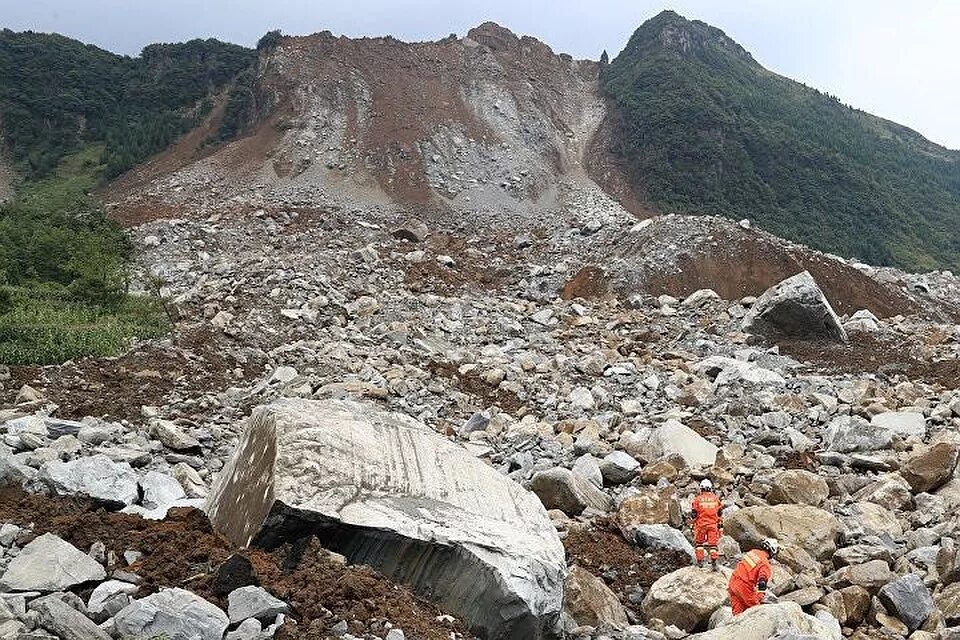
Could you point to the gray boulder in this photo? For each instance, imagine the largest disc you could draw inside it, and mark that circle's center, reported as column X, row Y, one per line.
column 97, row 477
column 384, row 490
column 50, row 564
column 847, row 434
column 253, row 602
column 661, row 536
column 908, row 599
column 794, row 308
column 176, row 614
column 562, row 489
column 619, row 467
column 65, row 622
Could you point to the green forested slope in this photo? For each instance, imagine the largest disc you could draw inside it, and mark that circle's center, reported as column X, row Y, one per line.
column 57, row 94
column 71, row 116
column 705, row 129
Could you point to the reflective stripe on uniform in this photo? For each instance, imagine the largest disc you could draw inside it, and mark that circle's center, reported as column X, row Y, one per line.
column 751, row 559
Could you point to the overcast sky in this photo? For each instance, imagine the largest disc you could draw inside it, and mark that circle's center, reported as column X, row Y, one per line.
column 895, row 59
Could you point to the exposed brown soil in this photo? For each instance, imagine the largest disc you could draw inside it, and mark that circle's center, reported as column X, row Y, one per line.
column 472, row 384
column 589, row 283
column 738, row 264
column 603, row 552
column 116, row 388
column 183, row 551
column 471, row 270
column 885, row 355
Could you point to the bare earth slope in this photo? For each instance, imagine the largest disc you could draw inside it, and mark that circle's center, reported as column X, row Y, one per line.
column 489, row 122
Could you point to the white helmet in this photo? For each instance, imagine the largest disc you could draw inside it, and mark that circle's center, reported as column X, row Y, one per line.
column 771, row 546
column 706, row 485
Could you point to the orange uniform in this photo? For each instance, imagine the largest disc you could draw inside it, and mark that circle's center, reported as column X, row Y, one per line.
column 752, row 571
column 706, row 524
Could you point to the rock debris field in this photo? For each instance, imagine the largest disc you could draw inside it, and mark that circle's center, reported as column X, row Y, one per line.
column 367, row 427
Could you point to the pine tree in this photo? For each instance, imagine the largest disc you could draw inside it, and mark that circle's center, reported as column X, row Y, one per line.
column 604, row 58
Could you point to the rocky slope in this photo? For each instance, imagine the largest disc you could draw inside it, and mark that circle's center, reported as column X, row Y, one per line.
column 488, row 124
column 561, row 344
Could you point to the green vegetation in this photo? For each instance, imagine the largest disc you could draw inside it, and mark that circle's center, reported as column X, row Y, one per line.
column 64, row 266
column 71, row 116
column 58, row 95
column 48, row 325
column 705, row 129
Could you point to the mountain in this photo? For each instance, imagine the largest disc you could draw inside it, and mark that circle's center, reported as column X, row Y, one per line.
column 703, row 128
column 489, row 124
column 58, row 94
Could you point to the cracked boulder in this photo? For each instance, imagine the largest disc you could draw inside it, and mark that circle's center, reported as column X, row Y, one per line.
column 386, row 491
column 794, row 308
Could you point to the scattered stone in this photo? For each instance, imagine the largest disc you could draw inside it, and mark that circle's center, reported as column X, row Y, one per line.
column 171, row 613
column 932, row 468
column 590, row 602
column 97, row 477
column 798, row 487
column 50, row 564
column 254, row 602
column 560, row 488
column 172, row 436
column 908, row 599
column 687, row 597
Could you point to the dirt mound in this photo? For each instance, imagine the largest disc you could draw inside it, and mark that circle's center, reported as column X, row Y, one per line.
column 888, row 356
column 116, row 388
column 678, row 255
column 182, row 551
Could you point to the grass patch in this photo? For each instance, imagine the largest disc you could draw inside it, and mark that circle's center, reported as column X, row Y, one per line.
column 44, row 324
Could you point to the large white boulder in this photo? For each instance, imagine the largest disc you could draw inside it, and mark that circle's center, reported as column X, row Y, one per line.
column 386, row 491
column 795, row 308
column 783, row 620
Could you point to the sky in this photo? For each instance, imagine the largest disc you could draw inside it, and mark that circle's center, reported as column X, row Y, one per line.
column 895, row 59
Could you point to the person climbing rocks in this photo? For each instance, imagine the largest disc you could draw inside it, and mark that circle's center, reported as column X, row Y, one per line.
column 707, row 524
column 750, row 580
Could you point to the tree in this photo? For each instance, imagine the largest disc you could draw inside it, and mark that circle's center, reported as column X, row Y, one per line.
column 604, row 58
column 269, row 41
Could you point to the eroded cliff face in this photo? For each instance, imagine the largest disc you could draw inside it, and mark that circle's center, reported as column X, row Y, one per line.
column 488, row 122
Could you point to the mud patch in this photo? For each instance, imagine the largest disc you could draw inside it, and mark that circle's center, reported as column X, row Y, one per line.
column 589, row 283
column 623, row 567
column 116, row 388
column 182, row 551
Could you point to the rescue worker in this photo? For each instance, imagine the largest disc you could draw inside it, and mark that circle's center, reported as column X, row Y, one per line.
column 707, row 526
column 749, row 582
